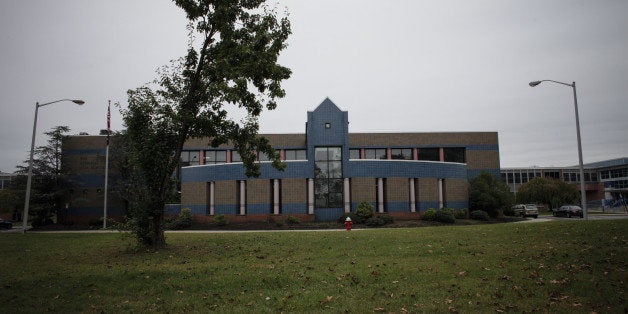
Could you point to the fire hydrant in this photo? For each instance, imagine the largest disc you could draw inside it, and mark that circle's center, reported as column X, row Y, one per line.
column 348, row 223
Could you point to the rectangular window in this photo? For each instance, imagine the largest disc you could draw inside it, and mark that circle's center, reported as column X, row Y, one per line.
column 215, row 156
column 375, row 153
column 328, row 183
column 235, row 156
column 454, row 154
column 354, row 153
column 295, row 154
column 552, row 174
column 429, row 154
column 190, row 158
column 401, row 153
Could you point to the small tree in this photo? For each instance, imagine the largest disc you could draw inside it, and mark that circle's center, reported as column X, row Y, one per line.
column 488, row 193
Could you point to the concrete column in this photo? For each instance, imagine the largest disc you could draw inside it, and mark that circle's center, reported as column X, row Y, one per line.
column 242, row 197
column 212, row 198
column 347, row 195
column 440, row 194
column 380, row 195
column 412, row 196
column 276, row 196
column 310, row 196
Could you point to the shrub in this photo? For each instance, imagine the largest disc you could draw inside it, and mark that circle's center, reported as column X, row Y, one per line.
column 365, row 211
column 460, row 213
column 221, row 220
column 96, row 223
column 380, row 220
column 387, row 219
column 479, row 215
column 182, row 222
column 509, row 211
column 291, row 220
column 442, row 215
column 375, row 222
column 429, row 214
column 445, row 216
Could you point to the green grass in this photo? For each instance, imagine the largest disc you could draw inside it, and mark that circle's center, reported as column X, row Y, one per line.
column 572, row 266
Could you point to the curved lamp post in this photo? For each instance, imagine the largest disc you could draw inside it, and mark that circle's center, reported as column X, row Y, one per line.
column 30, row 160
column 583, row 194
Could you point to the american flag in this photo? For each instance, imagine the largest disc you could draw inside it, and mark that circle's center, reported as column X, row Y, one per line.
column 108, row 121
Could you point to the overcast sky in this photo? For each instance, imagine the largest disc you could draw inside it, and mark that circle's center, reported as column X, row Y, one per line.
column 395, row 66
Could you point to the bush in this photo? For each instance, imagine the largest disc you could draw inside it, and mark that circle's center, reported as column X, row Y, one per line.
column 445, row 216
column 380, row 220
column 460, row 213
column 96, row 223
column 387, row 219
column 509, row 211
column 429, row 214
column 221, row 220
column 291, row 220
column 442, row 215
column 479, row 215
column 365, row 211
column 375, row 222
column 182, row 222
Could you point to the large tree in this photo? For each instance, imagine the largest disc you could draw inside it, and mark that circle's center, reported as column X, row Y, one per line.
column 489, row 193
column 231, row 63
column 551, row 192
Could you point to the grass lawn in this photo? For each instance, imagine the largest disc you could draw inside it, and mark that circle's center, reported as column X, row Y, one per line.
column 563, row 266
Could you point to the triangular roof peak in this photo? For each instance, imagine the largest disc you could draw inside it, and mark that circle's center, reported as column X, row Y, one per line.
column 327, row 105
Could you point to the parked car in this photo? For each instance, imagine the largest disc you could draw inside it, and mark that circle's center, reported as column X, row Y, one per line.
column 5, row 224
column 526, row 210
column 569, row 211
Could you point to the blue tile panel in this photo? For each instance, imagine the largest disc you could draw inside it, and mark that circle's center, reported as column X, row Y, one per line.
column 88, row 180
column 328, row 214
column 404, row 169
column 352, row 169
column 97, row 211
column 99, row 151
column 236, row 171
column 294, row 208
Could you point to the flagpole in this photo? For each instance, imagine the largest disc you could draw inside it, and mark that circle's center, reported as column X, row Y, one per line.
column 104, row 221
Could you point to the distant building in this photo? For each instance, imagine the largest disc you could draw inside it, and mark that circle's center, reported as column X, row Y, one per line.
column 329, row 172
column 5, row 180
column 606, row 182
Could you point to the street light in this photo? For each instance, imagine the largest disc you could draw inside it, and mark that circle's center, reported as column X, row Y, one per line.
column 583, row 194
column 30, row 160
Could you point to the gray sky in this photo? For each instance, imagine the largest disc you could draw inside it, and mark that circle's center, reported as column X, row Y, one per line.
column 395, row 66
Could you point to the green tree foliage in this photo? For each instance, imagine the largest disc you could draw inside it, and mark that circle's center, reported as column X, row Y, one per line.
column 231, row 63
column 548, row 191
column 489, row 193
column 48, row 193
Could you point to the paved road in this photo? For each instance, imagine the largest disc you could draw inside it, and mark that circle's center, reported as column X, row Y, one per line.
column 591, row 217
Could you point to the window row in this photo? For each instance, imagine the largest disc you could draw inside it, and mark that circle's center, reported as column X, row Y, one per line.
column 449, row 154
column 192, row 158
column 522, row 177
column 615, row 173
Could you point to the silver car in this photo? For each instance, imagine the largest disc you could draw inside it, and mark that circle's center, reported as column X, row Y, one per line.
column 526, row 210
column 569, row 211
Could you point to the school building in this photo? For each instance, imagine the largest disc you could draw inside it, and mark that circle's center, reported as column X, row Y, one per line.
column 329, row 172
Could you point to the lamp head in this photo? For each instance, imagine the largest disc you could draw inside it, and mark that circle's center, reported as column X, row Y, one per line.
column 78, row 102
column 535, row 83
